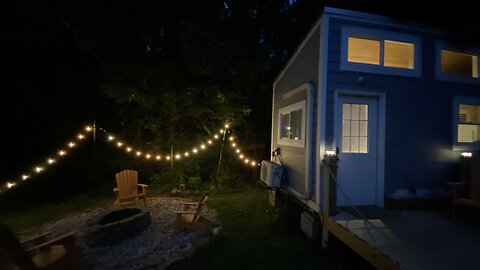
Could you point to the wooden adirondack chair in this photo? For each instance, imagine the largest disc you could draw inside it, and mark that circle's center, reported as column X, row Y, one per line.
column 127, row 187
column 190, row 217
column 59, row 253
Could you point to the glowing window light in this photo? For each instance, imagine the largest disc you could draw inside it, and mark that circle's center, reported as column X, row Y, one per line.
column 71, row 144
column 216, row 136
column 194, row 150
column 80, row 136
column 148, row 156
column 209, row 141
column 25, row 177
column 62, row 153
column 119, row 144
column 241, row 156
column 129, row 149
column 227, row 126
column 158, row 157
column 138, row 153
column 234, row 144
column 202, row 146
column 111, row 138
column 51, row 161
column 186, row 154
column 238, row 150
column 231, row 138
column 88, row 128
column 178, row 156
column 38, row 169
column 10, row 184
column 167, row 157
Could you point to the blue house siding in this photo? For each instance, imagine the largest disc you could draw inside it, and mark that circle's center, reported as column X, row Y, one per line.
column 303, row 69
column 419, row 113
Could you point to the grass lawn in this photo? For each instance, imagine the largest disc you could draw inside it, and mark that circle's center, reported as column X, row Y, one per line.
column 253, row 235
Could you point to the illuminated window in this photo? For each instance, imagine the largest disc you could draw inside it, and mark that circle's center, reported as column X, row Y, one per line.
column 361, row 50
column 461, row 64
column 398, row 54
column 292, row 124
column 468, row 123
column 379, row 51
column 355, row 128
column 367, row 51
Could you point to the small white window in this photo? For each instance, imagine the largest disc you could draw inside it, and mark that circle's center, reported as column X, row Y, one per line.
column 461, row 64
column 292, row 124
column 355, row 128
column 468, row 123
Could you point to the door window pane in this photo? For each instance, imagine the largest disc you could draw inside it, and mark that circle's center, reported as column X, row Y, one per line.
column 355, row 128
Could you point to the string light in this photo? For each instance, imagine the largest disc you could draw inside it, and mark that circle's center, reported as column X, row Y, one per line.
column 49, row 160
column 10, row 184
column 119, row 144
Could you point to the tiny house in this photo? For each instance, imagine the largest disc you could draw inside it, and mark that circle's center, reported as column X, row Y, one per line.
column 398, row 103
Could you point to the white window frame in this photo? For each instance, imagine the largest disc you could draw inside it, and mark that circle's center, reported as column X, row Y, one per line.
column 463, row 100
column 288, row 109
column 380, row 35
column 442, row 45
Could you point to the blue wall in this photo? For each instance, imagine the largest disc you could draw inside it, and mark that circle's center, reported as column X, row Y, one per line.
column 419, row 113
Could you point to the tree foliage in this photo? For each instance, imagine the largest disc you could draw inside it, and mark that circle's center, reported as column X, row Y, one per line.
column 174, row 69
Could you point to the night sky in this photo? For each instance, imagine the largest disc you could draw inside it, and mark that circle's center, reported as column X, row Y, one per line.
column 50, row 87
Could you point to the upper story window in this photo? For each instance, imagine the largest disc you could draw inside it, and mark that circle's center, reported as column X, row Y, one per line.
column 462, row 64
column 292, row 124
column 466, row 123
column 456, row 65
column 368, row 50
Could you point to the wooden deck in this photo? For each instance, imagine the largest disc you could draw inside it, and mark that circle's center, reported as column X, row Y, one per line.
column 410, row 240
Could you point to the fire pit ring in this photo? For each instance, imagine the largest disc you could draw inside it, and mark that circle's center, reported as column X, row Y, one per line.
column 114, row 227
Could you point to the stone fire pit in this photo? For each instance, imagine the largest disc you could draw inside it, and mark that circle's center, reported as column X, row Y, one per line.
column 115, row 226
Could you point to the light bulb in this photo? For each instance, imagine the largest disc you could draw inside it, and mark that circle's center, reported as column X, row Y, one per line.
column 158, row 157
column 62, row 153
column 177, row 156
column 139, row 153
column 51, row 161
column 80, row 136
column 88, row 128
column 167, row 157
column 10, row 184
column 202, row 146
column 38, row 169
column 111, row 138
column 231, row 138
column 209, row 141
column 234, row 144
column 119, row 144
column 194, row 150
column 148, row 156
column 129, row 149
column 238, row 150
column 71, row 144
column 25, row 177
column 186, row 154
column 216, row 136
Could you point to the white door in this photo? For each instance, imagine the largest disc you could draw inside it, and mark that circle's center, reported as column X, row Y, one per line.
column 356, row 132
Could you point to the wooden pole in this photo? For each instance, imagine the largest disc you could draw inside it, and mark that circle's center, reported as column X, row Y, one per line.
column 220, row 159
column 171, row 157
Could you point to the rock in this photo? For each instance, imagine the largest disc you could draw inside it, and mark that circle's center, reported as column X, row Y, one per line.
column 154, row 248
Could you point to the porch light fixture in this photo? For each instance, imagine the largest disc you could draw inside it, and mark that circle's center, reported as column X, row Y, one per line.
column 330, row 153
